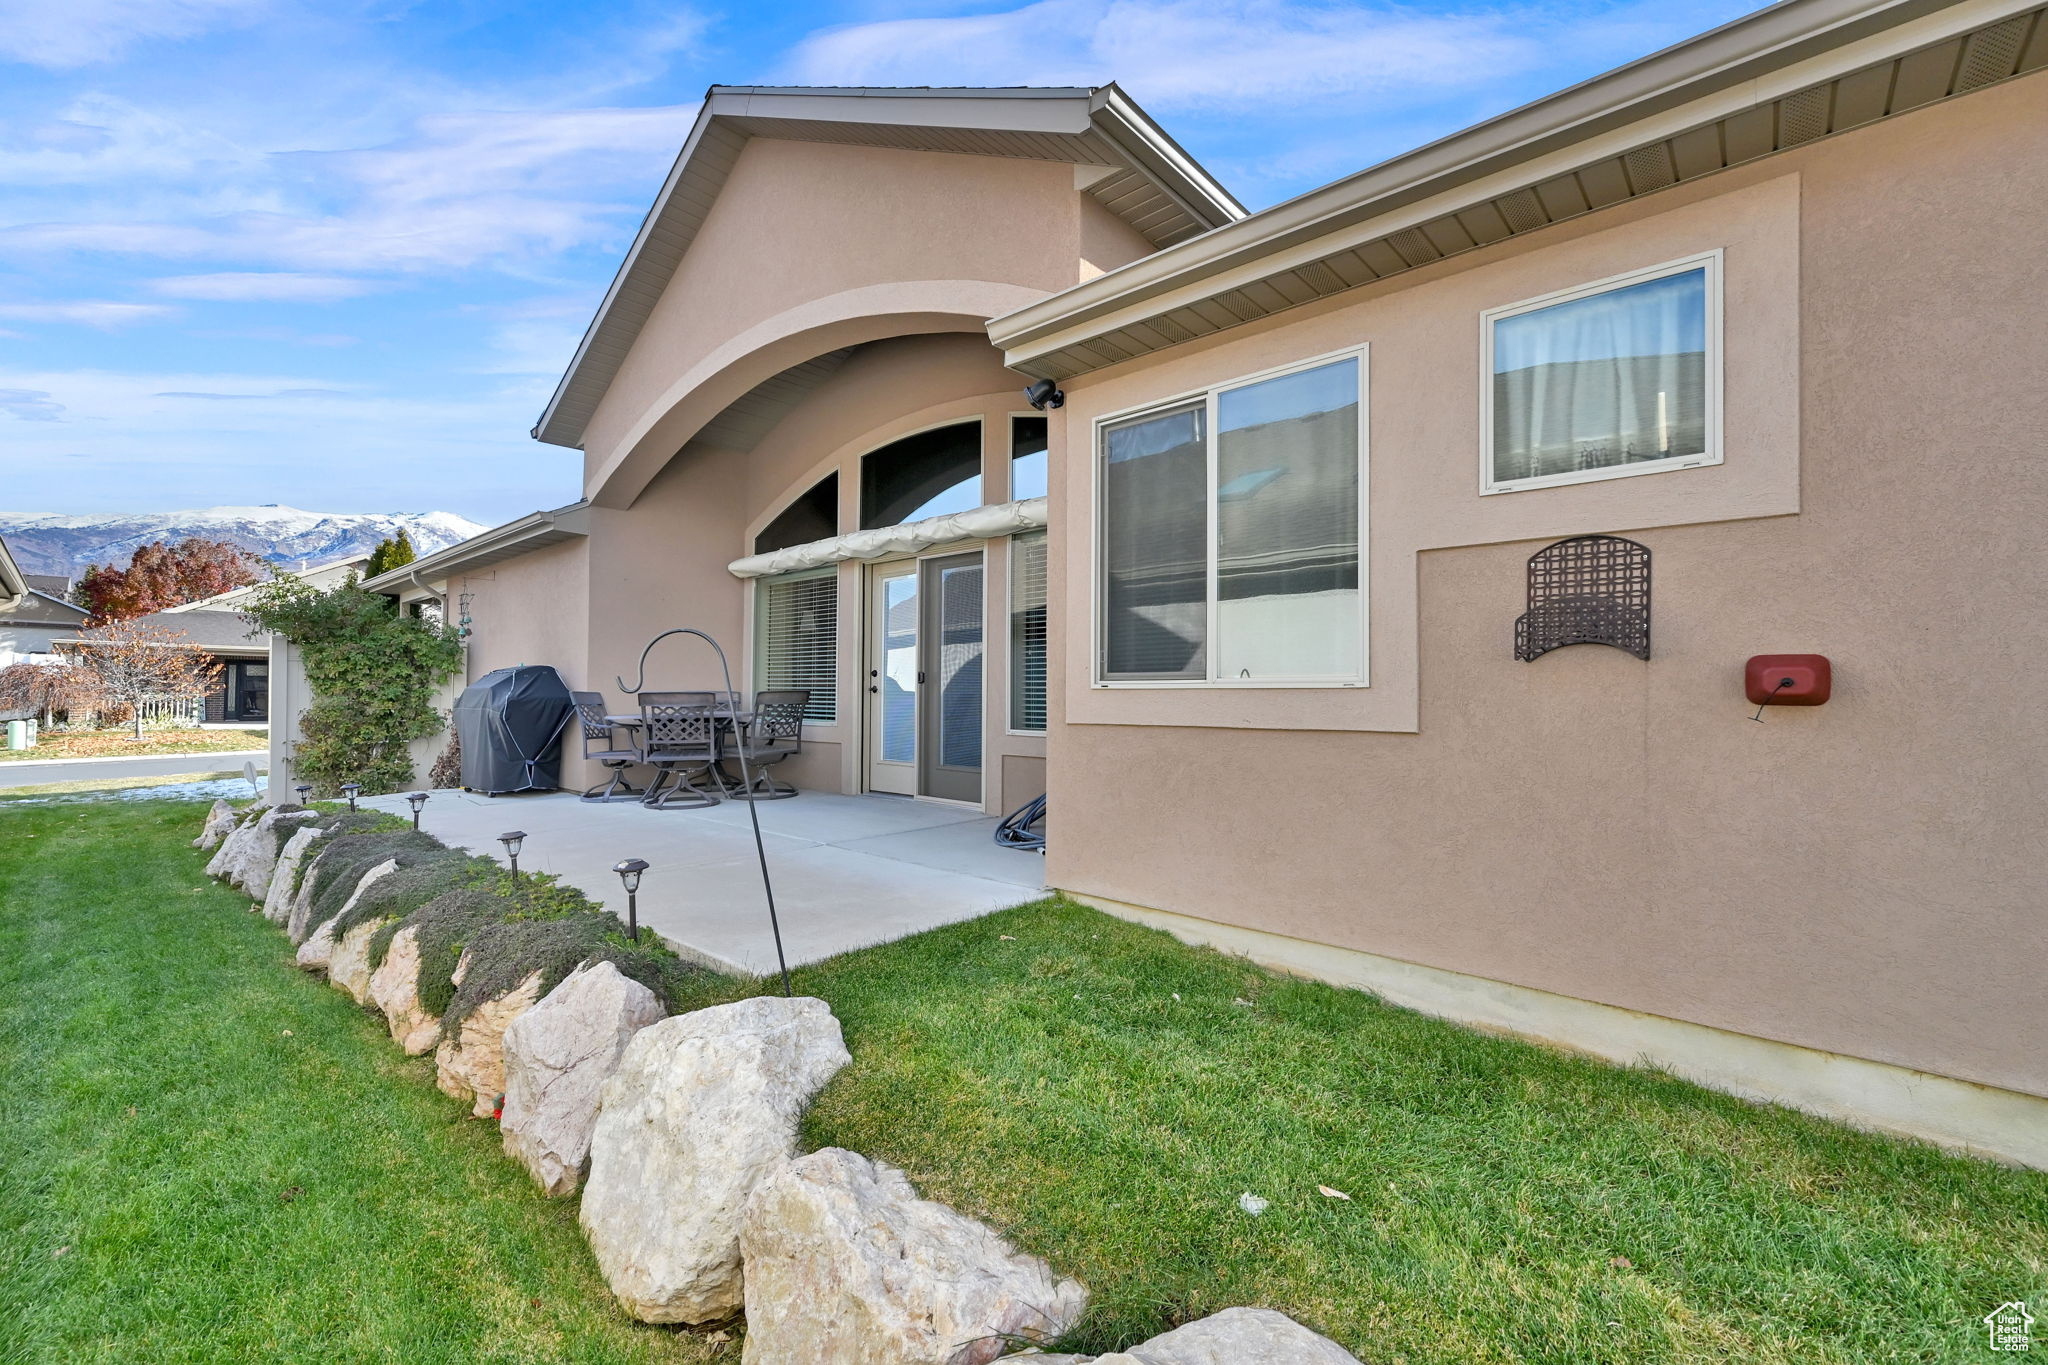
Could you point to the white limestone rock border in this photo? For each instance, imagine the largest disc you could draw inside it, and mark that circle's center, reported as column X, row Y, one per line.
column 220, row 822
column 471, row 1065
column 395, row 989
column 321, row 953
column 701, row 1108
column 846, row 1265
column 558, row 1056
column 277, row 904
column 1235, row 1336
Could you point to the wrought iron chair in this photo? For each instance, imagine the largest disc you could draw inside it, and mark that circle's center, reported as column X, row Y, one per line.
column 775, row 733
column 679, row 740
column 601, row 733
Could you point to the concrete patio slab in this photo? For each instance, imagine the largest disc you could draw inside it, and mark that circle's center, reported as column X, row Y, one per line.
column 848, row 871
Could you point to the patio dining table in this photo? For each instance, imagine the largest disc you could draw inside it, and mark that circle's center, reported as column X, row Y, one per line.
column 726, row 717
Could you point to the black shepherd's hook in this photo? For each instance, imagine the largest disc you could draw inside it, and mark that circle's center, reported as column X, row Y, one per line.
column 746, row 775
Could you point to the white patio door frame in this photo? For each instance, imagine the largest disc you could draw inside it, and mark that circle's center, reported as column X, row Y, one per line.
column 902, row 773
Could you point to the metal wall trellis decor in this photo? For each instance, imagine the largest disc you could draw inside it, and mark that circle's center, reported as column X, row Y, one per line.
column 1589, row 590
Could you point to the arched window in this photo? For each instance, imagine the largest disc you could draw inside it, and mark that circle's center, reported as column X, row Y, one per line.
column 926, row 475
column 813, row 516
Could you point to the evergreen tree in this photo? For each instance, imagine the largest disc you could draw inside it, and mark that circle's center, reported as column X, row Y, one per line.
column 391, row 554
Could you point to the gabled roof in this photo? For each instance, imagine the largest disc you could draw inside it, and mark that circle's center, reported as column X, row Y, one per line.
column 1147, row 180
column 50, row 584
column 1773, row 80
column 217, row 632
column 38, row 608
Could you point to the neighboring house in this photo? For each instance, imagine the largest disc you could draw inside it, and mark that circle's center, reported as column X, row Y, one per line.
column 241, row 694
column 1765, row 303
column 322, row 576
column 42, row 613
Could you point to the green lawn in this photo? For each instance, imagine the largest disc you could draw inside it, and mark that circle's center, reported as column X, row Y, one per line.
column 206, row 1155
column 1098, row 1090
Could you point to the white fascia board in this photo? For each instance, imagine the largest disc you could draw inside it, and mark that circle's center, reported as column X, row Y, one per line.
column 1605, row 116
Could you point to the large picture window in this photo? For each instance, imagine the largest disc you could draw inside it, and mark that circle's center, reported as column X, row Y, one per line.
column 1231, row 534
column 1616, row 378
column 1027, row 632
column 796, row 638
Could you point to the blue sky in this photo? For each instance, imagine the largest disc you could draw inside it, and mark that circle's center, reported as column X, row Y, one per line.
column 336, row 254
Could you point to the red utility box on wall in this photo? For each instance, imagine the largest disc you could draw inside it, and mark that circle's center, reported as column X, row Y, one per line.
column 1788, row 679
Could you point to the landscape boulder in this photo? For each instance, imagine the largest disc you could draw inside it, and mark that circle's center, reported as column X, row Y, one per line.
column 298, row 922
column 1235, row 1336
column 395, row 989
column 248, row 856
column 321, row 952
column 471, row 1065
column 277, row 904
column 845, row 1265
column 220, row 822
column 558, row 1055
column 702, row 1106
column 227, row 860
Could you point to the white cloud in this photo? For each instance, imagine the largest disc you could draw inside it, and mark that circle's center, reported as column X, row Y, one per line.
column 87, row 312
column 71, row 33
column 30, row 405
column 261, row 287
column 138, row 439
column 1224, row 54
column 461, row 190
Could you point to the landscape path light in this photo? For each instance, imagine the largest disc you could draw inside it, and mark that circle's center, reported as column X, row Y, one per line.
column 304, row 789
column 629, row 871
column 512, row 839
column 416, row 800
column 349, row 789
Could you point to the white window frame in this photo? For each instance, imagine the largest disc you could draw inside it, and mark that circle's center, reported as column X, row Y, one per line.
column 1099, row 626
column 1010, row 558
column 1711, row 260
column 757, row 643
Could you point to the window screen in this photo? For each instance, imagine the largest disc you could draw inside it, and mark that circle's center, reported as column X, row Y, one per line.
column 796, row 634
column 926, row 475
column 1027, row 632
column 1154, row 546
column 1287, row 526
column 813, row 516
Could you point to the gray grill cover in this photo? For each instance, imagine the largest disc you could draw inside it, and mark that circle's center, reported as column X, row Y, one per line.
column 510, row 723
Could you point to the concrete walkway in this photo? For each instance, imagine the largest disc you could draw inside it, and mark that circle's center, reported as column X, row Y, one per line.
column 37, row 772
column 849, row 871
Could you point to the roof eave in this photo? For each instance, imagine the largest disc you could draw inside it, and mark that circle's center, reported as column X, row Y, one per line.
column 1744, row 50
column 533, row 531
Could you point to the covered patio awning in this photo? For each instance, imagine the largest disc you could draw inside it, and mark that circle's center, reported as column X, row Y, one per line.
column 980, row 523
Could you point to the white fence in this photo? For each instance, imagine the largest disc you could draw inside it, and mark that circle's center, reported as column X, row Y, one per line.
column 173, row 710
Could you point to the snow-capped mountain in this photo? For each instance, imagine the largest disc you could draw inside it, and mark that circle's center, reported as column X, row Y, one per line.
column 286, row 536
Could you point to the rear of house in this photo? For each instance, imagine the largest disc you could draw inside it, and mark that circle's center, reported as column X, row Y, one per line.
column 1251, row 597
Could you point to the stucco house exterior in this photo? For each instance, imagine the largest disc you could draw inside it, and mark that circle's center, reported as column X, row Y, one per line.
column 1243, row 599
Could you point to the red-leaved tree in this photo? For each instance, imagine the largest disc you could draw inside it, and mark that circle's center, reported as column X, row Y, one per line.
column 161, row 575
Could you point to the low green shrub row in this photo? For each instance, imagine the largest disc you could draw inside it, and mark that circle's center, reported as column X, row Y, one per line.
column 455, row 902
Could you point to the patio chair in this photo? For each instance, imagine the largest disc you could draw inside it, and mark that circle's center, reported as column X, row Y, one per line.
column 679, row 740
column 614, row 751
column 774, row 734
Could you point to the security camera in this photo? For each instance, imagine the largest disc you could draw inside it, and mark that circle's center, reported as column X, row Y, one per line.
column 1045, row 394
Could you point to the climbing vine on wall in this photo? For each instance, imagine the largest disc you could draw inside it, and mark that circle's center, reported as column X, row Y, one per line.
column 373, row 673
